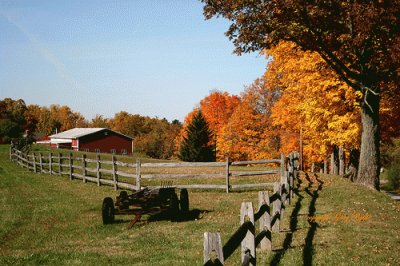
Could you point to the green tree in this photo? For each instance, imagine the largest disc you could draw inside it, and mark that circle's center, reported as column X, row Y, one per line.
column 196, row 146
column 12, row 119
column 359, row 40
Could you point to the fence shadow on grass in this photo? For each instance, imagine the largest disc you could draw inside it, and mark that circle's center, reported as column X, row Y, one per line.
column 308, row 249
column 293, row 226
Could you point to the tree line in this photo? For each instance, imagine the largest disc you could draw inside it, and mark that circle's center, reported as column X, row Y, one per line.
column 153, row 136
column 298, row 97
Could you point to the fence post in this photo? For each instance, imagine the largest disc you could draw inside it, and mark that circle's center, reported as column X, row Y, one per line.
column 282, row 164
column 276, row 208
column 213, row 249
column 248, row 249
column 23, row 160
column 84, row 172
column 98, row 174
column 227, row 175
column 59, row 164
column 27, row 160
column 41, row 162
column 10, row 155
column 71, row 167
column 138, row 174
column 265, row 220
column 34, row 163
column 325, row 166
column 291, row 175
column 50, row 166
column 114, row 174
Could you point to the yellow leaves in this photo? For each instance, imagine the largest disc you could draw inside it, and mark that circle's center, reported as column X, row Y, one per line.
column 314, row 99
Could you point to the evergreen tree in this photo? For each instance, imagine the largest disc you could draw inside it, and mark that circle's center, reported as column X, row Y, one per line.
column 196, row 146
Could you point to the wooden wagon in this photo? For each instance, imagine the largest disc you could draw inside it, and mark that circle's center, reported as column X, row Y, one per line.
column 146, row 201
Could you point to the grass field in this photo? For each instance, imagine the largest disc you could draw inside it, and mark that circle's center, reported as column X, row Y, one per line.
column 50, row 220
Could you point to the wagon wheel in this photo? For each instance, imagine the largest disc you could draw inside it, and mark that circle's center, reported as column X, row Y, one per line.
column 184, row 201
column 123, row 195
column 108, row 211
column 123, row 200
column 174, row 207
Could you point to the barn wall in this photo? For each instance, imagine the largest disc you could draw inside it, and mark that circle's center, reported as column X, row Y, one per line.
column 105, row 143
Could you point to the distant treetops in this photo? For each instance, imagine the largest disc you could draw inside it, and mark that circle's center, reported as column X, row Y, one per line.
column 153, row 136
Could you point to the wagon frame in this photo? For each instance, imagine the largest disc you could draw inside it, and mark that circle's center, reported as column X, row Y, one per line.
column 146, row 202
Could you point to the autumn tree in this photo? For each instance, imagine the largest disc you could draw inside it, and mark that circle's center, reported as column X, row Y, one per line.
column 314, row 100
column 359, row 40
column 196, row 146
column 129, row 124
column 249, row 133
column 159, row 141
column 65, row 118
column 32, row 116
column 99, row 121
column 217, row 108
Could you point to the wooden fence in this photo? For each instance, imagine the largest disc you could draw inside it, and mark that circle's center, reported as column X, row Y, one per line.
column 215, row 253
column 107, row 172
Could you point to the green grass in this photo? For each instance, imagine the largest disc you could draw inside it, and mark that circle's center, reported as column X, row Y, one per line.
column 50, row 220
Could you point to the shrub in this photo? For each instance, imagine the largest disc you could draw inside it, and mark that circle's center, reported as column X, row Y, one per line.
column 393, row 176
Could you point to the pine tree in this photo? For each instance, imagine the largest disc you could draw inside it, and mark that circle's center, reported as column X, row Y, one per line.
column 196, row 146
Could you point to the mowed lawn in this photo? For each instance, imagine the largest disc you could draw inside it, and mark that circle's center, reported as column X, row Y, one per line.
column 50, row 220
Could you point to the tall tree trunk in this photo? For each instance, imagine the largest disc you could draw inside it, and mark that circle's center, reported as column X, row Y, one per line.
column 341, row 156
column 334, row 161
column 369, row 166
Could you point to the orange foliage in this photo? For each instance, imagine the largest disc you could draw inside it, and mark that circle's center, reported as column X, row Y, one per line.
column 217, row 108
column 249, row 134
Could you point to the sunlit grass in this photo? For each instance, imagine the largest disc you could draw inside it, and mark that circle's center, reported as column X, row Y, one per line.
column 50, row 220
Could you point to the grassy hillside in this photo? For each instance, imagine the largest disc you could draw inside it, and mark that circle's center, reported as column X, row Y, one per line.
column 48, row 220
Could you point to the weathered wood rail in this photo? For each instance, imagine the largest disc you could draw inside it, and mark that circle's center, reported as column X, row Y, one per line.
column 269, row 214
column 106, row 172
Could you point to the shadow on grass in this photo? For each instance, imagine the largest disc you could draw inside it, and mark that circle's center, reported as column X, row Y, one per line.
column 308, row 249
column 192, row 215
column 293, row 226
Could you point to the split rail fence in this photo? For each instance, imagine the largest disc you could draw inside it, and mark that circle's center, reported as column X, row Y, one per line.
column 107, row 172
column 270, row 213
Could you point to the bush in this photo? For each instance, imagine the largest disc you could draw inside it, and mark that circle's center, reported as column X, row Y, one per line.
column 391, row 157
column 393, row 176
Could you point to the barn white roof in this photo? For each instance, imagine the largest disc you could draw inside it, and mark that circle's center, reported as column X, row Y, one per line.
column 76, row 133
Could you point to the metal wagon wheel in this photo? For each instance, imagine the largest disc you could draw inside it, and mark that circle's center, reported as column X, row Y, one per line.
column 108, row 211
column 184, row 201
column 123, row 202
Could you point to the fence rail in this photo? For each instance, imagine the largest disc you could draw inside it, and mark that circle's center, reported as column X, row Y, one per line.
column 215, row 253
column 95, row 170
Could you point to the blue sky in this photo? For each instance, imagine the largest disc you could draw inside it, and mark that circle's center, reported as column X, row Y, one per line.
column 154, row 58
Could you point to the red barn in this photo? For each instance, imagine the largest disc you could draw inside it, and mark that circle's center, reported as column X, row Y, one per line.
column 93, row 140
